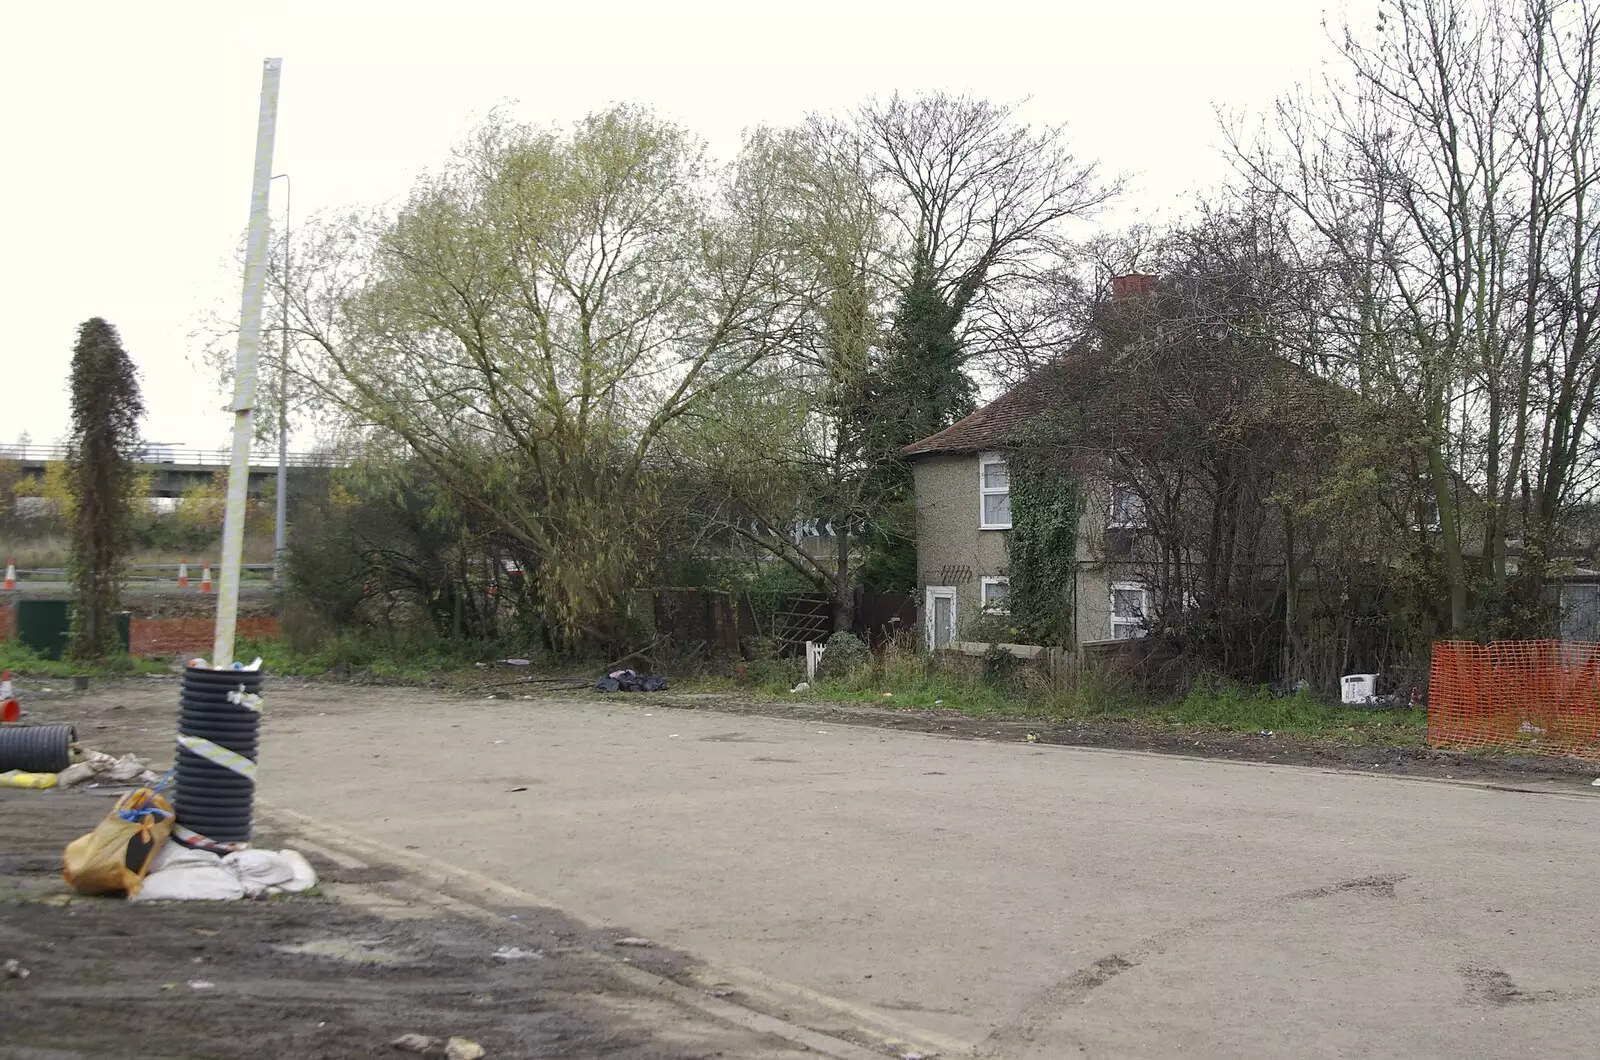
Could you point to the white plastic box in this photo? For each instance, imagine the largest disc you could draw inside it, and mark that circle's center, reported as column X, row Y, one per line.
column 1358, row 688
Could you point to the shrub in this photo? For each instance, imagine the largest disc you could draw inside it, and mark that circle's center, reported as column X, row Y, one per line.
column 845, row 654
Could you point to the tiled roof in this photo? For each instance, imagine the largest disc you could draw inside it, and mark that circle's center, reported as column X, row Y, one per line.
column 994, row 424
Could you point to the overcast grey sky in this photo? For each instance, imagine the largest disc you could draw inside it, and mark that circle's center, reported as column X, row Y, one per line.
column 129, row 128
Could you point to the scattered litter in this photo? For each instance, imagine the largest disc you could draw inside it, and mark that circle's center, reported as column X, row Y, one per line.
column 1266, row 732
column 202, row 984
column 515, row 662
column 913, row 1056
column 674, row 736
column 628, row 681
column 632, row 940
column 1595, row 783
column 499, row 741
column 523, row 788
column 1033, row 737
column 803, row 686
column 938, row 702
column 462, row 1049
column 517, row 953
column 1528, row 728
column 14, row 969
column 822, row 732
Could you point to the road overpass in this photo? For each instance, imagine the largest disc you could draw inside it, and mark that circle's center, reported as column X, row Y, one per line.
column 174, row 469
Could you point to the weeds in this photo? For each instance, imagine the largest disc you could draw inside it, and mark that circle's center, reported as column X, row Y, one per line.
column 25, row 662
column 412, row 660
column 898, row 676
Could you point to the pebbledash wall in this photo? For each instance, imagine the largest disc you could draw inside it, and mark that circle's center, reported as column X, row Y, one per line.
column 166, row 636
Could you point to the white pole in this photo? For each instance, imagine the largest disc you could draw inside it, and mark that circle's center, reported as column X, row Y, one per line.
column 280, row 530
column 244, row 373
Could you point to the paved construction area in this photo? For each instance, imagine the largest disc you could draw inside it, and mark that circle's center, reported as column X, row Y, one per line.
column 1026, row 901
column 994, row 899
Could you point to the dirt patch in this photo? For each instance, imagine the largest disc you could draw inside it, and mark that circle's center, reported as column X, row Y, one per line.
column 1281, row 748
column 303, row 977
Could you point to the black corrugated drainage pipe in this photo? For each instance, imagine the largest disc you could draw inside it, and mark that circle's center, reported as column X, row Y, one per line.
column 36, row 748
column 219, row 733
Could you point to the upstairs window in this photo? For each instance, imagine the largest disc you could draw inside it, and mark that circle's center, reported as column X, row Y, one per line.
column 1127, row 509
column 994, row 493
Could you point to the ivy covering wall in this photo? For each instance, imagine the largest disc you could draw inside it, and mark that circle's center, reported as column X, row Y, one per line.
column 1046, row 507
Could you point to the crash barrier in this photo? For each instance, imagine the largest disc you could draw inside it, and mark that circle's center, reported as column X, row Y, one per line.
column 1539, row 696
column 36, row 748
column 219, row 729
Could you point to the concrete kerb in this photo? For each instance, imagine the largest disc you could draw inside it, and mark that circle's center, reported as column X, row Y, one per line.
column 463, row 891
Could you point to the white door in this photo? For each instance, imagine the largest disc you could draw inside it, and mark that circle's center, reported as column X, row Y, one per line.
column 939, row 614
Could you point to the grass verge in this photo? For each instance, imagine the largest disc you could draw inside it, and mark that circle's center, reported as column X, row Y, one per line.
column 25, row 662
column 903, row 680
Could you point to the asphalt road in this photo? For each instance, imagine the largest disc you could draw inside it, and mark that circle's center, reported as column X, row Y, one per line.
column 999, row 900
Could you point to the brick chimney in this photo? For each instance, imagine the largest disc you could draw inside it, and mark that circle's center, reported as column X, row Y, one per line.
column 1132, row 285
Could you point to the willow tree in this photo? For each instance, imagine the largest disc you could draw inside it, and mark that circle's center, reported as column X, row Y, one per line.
column 790, row 448
column 534, row 318
column 102, row 480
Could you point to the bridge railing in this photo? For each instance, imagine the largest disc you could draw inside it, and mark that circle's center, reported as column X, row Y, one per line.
column 175, row 455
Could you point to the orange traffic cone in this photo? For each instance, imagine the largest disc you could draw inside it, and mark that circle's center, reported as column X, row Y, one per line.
column 10, row 709
column 183, row 572
column 11, row 573
column 205, row 578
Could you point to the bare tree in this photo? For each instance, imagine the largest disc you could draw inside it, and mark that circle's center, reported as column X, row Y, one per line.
column 1448, row 169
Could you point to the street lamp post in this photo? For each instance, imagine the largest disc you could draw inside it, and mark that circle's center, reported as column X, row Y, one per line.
column 281, row 526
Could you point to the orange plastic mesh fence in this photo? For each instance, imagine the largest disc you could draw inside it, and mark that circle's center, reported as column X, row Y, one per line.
column 1539, row 696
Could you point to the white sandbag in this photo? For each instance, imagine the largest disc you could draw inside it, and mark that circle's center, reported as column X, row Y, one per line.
column 188, row 883
column 126, row 768
column 305, row 877
column 258, row 869
column 174, row 855
column 74, row 775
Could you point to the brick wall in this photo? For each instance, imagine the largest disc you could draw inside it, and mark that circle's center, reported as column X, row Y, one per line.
column 189, row 636
column 166, row 636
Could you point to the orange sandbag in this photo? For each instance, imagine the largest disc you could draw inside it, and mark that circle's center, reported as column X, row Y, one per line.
column 115, row 856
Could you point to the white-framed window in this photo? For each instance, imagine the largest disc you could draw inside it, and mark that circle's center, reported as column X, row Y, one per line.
column 1130, row 603
column 996, row 595
column 994, row 492
column 1127, row 508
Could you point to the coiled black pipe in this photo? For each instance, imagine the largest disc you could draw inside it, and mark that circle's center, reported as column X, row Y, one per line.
column 212, row 799
column 36, row 748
